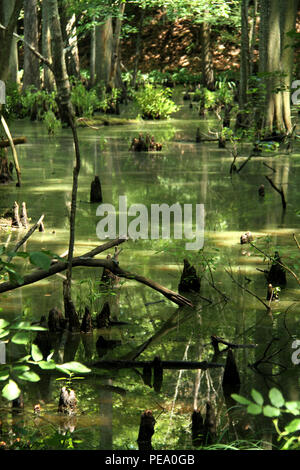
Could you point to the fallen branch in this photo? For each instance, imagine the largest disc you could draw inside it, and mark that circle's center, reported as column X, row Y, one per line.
column 179, row 365
column 86, row 260
column 14, row 152
column 16, row 141
column 280, row 191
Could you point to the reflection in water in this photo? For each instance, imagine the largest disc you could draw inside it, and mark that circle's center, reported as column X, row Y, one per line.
column 110, row 403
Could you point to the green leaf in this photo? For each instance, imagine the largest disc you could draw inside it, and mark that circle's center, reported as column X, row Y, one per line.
column 40, row 259
column 293, row 426
column 3, row 323
column 4, row 374
column 21, row 337
column 270, row 411
column 257, row 397
column 36, row 353
column 293, row 406
column 75, row 367
column 240, row 399
column 29, row 376
column 26, row 325
column 254, row 409
column 47, row 365
column 20, row 368
column 11, row 391
column 3, row 333
column 276, row 397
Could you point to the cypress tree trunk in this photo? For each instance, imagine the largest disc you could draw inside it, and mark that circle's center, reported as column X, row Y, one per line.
column 6, row 37
column 8, row 6
column 31, row 62
column 59, row 63
column 103, row 51
column 242, row 118
column 49, row 81
column 115, row 78
column 277, row 20
column 206, row 57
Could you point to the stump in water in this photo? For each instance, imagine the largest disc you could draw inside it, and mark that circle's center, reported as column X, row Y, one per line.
column 147, row 375
column 197, row 428
column 42, row 227
column 67, row 401
column 86, row 324
column 231, row 377
column 70, row 312
column 96, row 191
column 104, row 345
column 209, row 428
column 5, row 170
column 146, row 431
column 144, row 145
column 157, row 374
column 277, row 276
column 103, row 318
column 246, row 238
column 261, row 190
column 16, row 218
column 189, row 280
column 198, row 135
column 56, row 321
column 43, row 339
column 18, row 404
column 24, row 217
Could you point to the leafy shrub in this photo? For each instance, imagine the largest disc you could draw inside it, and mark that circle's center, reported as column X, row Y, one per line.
column 155, row 102
column 289, row 437
column 36, row 103
column 84, row 101
column 52, row 123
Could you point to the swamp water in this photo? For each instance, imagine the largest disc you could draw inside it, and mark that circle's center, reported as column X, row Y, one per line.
column 110, row 405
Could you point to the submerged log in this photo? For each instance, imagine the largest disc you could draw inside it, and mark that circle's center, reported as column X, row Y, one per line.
column 96, row 191
column 17, row 140
column 67, row 401
column 189, row 280
column 146, row 431
column 174, row 365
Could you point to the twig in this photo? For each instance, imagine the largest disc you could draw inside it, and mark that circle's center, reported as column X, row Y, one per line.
column 280, row 191
column 13, row 148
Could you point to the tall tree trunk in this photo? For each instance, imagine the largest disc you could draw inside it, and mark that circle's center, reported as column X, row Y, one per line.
column 31, row 75
column 277, row 62
column 103, row 51
column 208, row 80
column 115, row 78
column 70, row 40
column 242, row 117
column 8, row 6
column 138, row 47
column 59, row 63
column 67, row 114
column 6, row 37
column 49, row 81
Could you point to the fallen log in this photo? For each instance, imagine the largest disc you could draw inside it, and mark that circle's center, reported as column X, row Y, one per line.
column 17, row 141
column 174, row 365
column 109, row 264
